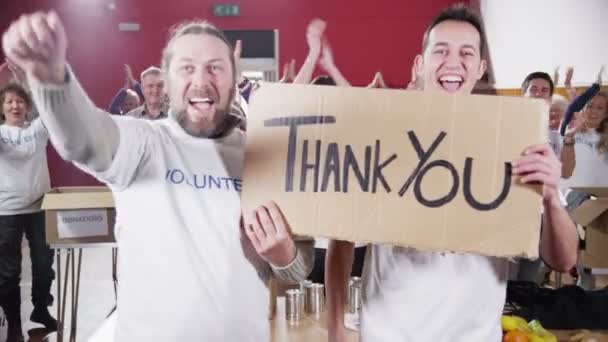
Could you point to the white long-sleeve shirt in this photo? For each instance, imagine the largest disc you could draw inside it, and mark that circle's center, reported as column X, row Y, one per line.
column 24, row 172
column 187, row 270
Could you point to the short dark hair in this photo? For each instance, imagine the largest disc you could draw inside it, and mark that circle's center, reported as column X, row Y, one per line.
column 324, row 80
column 537, row 75
column 18, row 90
column 457, row 12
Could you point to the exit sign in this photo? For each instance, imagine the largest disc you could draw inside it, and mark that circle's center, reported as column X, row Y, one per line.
column 226, row 10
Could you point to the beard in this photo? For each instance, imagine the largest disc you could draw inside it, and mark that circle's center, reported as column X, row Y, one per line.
column 223, row 122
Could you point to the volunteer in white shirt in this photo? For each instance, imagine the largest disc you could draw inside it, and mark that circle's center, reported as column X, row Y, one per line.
column 539, row 85
column 411, row 295
column 591, row 145
column 188, row 270
column 24, row 178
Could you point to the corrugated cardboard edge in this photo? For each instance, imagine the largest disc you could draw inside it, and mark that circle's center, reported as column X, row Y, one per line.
column 590, row 210
column 599, row 192
column 593, row 214
column 78, row 198
column 596, row 253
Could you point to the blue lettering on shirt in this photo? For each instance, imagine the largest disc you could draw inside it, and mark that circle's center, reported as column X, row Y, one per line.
column 202, row 181
column 22, row 140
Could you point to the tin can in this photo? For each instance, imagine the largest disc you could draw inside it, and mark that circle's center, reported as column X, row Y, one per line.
column 354, row 295
column 294, row 307
column 315, row 299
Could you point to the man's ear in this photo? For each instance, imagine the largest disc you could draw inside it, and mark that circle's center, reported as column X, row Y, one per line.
column 483, row 66
column 418, row 66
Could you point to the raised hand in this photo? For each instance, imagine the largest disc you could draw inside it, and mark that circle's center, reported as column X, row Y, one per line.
column 327, row 57
column 292, row 69
column 569, row 73
column 285, row 78
column 129, row 79
column 378, row 81
column 289, row 72
column 18, row 73
column 568, row 83
column 556, row 75
column 314, row 33
column 37, row 43
column 576, row 125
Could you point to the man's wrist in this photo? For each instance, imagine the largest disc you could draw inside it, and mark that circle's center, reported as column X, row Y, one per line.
column 330, row 68
column 314, row 52
column 552, row 201
column 58, row 75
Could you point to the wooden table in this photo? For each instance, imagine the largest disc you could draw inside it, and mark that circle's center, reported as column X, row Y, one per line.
column 309, row 329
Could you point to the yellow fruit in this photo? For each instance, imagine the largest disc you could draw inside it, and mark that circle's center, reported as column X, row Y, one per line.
column 542, row 334
column 510, row 323
column 515, row 336
column 535, row 338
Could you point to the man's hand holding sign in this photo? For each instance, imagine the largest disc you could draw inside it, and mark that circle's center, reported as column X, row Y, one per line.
column 270, row 235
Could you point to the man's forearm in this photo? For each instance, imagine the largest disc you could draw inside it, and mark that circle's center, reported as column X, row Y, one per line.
column 138, row 90
column 580, row 102
column 568, row 159
column 117, row 101
column 304, row 76
column 79, row 131
column 559, row 240
column 338, row 265
column 340, row 80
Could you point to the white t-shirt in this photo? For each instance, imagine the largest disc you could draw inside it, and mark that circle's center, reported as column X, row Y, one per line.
column 187, row 273
column 591, row 168
column 556, row 141
column 413, row 296
column 24, row 172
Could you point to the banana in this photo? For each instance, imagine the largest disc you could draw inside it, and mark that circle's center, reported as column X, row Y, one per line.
column 509, row 323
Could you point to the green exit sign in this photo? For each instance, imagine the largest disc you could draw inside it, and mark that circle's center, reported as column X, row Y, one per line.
column 226, row 10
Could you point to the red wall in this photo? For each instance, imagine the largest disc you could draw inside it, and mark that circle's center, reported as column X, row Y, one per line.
column 365, row 35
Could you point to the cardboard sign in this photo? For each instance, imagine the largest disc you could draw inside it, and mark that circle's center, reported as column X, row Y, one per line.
column 407, row 168
column 81, row 223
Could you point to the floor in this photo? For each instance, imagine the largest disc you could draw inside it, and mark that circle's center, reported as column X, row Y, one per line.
column 96, row 298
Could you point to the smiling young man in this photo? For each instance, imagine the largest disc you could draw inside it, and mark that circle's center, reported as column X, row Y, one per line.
column 189, row 271
column 411, row 295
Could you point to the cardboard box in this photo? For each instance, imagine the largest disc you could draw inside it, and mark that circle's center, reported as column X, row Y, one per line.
column 408, row 168
column 79, row 215
column 593, row 215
